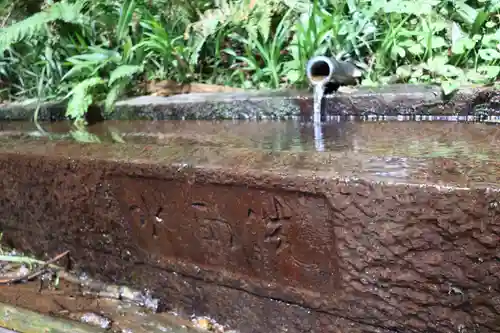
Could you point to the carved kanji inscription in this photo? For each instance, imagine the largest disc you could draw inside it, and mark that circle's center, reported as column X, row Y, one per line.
column 276, row 221
column 237, row 233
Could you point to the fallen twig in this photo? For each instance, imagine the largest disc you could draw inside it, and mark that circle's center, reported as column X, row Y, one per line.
column 38, row 271
column 112, row 291
column 93, row 287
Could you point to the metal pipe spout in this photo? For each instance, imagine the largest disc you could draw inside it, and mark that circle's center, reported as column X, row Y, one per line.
column 321, row 70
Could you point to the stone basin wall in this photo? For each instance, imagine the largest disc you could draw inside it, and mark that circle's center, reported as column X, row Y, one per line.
column 263, row 250
column 474, row 102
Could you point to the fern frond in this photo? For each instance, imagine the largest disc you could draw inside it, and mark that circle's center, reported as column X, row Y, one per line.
column 299, row 6
column 112, row 96
column 227, row 11
column 123, row 71
column 35, row 24
column 260, row 22
column 68, row 12
column 255, row 17
column 81, row 98
column 212, row 20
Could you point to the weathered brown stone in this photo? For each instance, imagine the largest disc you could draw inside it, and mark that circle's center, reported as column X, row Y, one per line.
column 370, row 236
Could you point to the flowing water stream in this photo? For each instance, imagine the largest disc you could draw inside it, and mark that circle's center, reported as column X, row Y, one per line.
column 319, row 90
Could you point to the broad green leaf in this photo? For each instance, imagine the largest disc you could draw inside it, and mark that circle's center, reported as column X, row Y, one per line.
column 479, row 21
column 477, row 37
column 75, row 70
column 293, row 75
column 449, row 71
column 490, row 24
column 91, row 57
column 397, row 51
column 417, row 73
column 489, row 54
column 449, row 86
column 436, row 63
column 490, row 71
column 467, row 13
column 124, row 71
column 475, row 77
column 416, row 49
column 438, row 25
column 462, row 45
column 438, row 42
column 403, row 72
column 491, row 40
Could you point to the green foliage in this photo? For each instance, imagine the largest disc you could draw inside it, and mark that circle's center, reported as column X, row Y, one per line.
column 35, row 25
column 167, row 55
column 81, row 98
column 118, row 82
column 265, row 49
column 92, row 52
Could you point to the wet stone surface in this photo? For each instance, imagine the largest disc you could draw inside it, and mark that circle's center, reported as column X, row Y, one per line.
column 272, row 226
column 405, row 101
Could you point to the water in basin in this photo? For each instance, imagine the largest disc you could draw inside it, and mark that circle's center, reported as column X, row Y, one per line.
column 436, row 151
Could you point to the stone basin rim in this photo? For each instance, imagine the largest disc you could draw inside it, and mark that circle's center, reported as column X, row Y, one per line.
column 390, row 100
column 394, row 89
column 302, row 181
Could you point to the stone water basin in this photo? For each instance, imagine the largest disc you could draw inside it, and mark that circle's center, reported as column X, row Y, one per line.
column 409, row 151
column 351, row 226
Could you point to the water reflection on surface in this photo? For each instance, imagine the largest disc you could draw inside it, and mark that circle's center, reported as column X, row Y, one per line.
column 423, row 139
column 396, row 150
